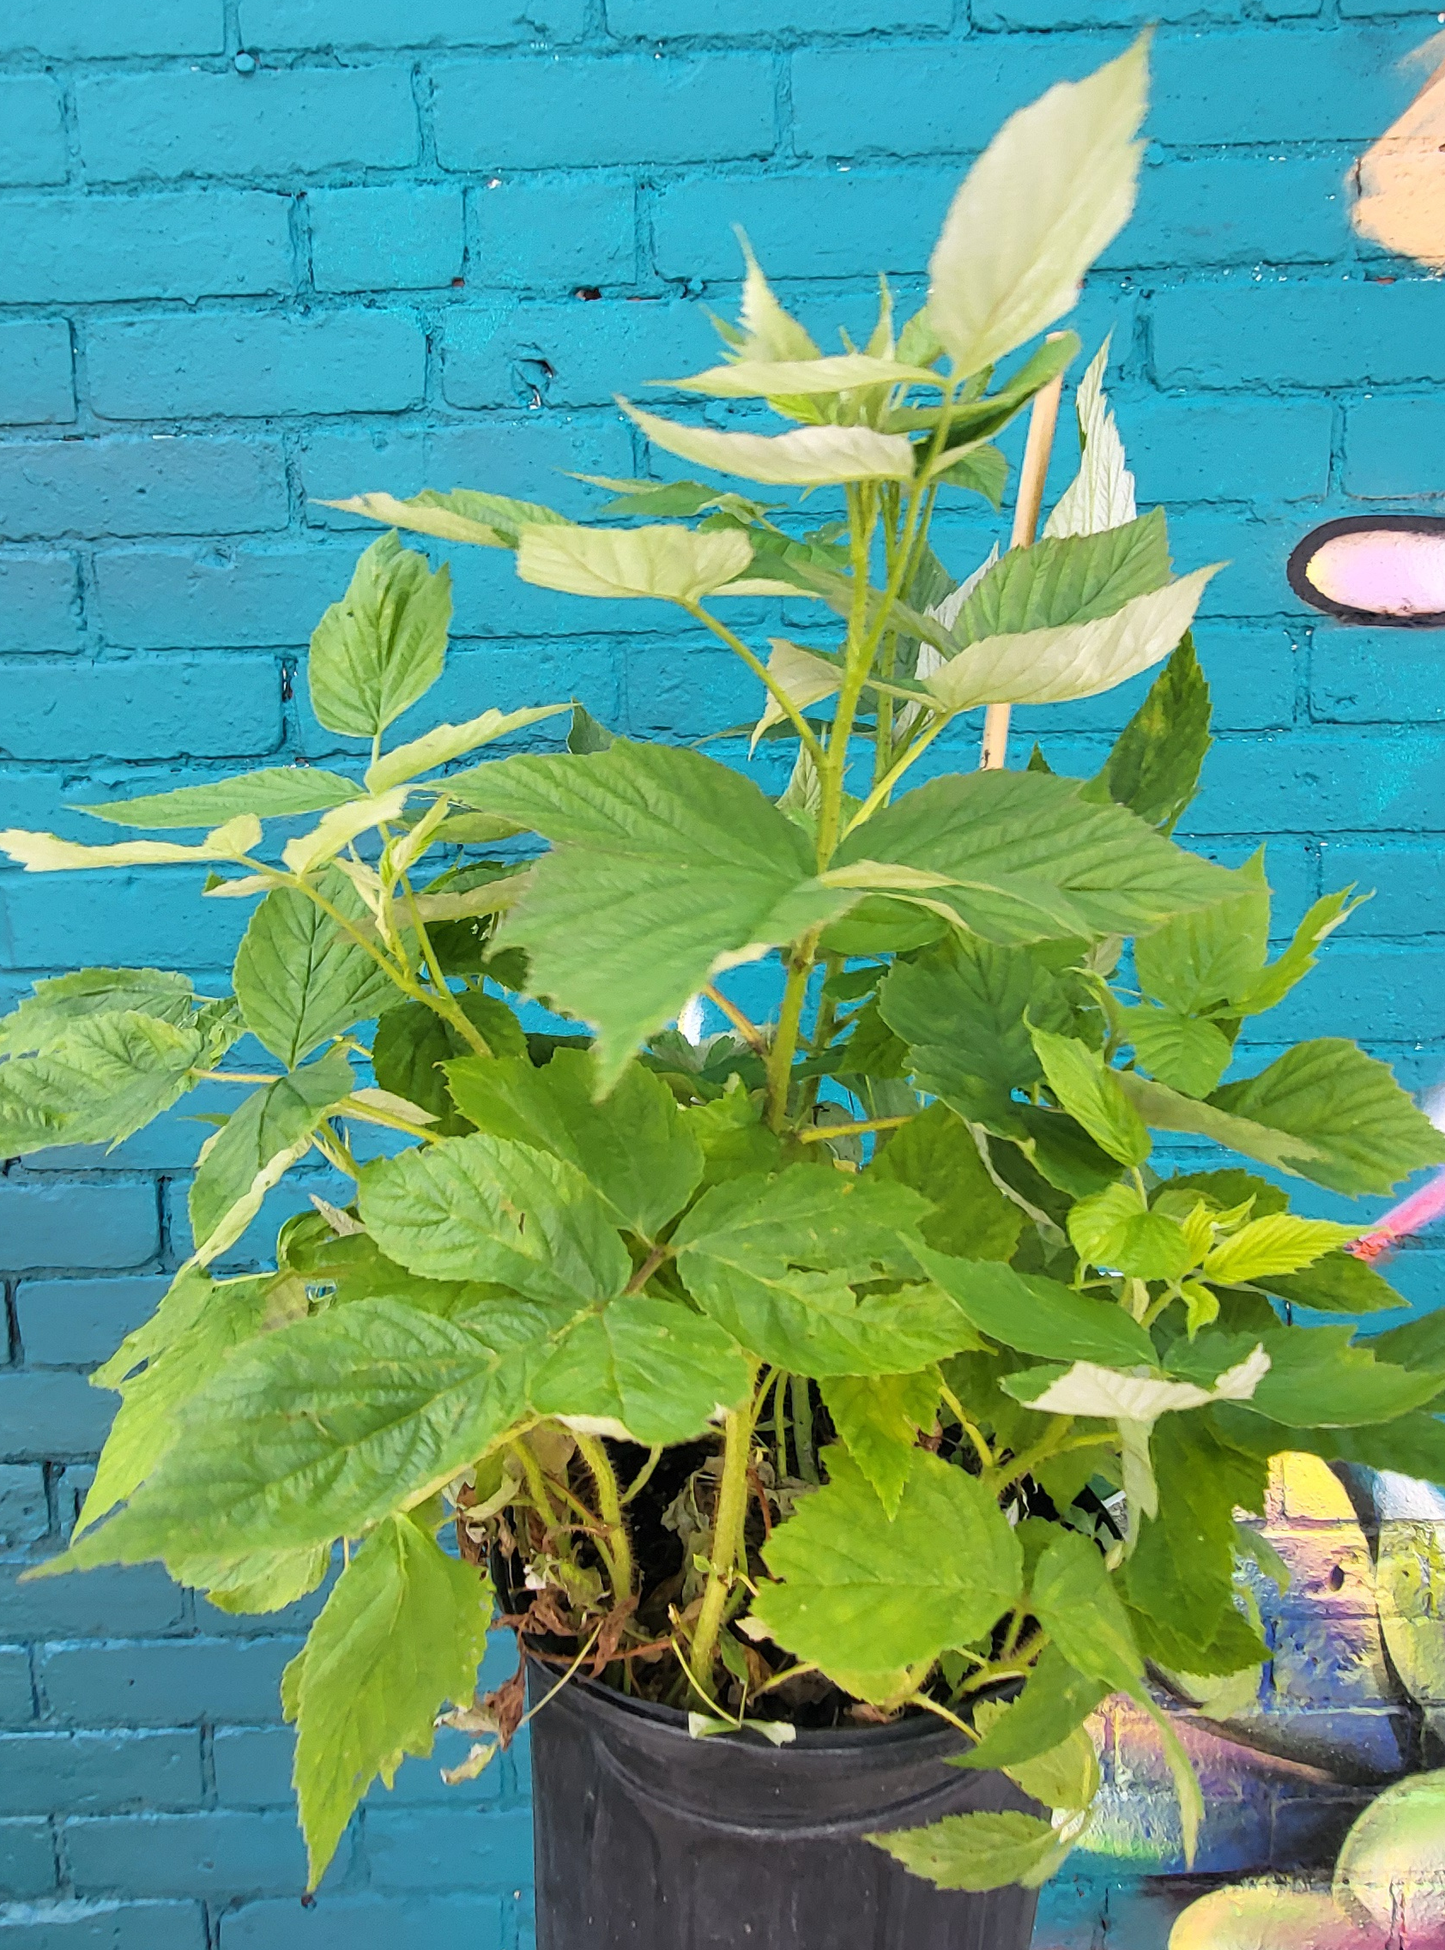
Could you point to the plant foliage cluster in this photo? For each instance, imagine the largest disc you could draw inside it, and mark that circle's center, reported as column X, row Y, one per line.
column 853, row 1363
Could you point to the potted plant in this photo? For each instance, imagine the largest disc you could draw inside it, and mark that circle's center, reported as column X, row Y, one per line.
column 843, row 1405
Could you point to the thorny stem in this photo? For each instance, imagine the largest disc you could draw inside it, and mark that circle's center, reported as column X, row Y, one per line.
column 648, row 1267
column 370, row 1114
column 802, row 1401
column 932, row 1706
column 1048, row 1445
column 780, row 1058
column 609, row 1507
column 727, row 1542
column 643, row 1476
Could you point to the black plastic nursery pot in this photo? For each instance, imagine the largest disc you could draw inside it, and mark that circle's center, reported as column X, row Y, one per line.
column 649, row 1839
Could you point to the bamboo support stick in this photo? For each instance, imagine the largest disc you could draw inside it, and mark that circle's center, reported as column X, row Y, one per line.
column 1043, row 418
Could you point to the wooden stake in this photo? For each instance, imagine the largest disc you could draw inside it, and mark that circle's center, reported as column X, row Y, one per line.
column 1042, row 420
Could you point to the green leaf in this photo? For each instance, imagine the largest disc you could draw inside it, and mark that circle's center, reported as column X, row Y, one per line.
column 1052, row 189
column 965, row 1007
column 1089, row 1090
column 1155, row 764
column 1164, row 1109
column 484, row 1208
column 1182, row 1051
column 810, row 457
column 861, row 1591
column 1088, row 1389
column 444, row 742
column 1418, row 1344
column 1065, row 1777
column 321, row 1430
column 878, row 1418
column 1076, row 1603
column 1412, row 1445
column 587, row 735
column 464, row 515
column 299, row 979
column 644, row 1370
column 971, row 420
column 44, row 853
column 275, row 793
column 1039, row 1316
column 634, row 1147
column 1054, row 1702
column 679, row 565
column 259, row 1581
column 981, row 470
column 382, row 646
column 1101, row 494
column 768, row 330
column 841, row 372
column 666, row 864
column 1365, row 1131
column 1277, row 1243
column 1335, row 1283
column 268, row 1124
column 46, row 1015
column 99, row 1080
column 977, row 1851
column 1205, row 960
column 772, row 1261
column 1033, row 861
column 146, row 1427
column 1276, row 981
column 1113, row 1230
column 413, row 1042
column 403, row 1632
column 1071, row 579
column 1318, row 1380
column 1071, row 660
column 934, row 1154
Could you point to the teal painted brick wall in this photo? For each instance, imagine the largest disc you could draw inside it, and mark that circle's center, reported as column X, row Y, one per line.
column 263, row 252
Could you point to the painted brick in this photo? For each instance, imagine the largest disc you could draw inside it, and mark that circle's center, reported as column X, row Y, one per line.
column 150, row 600
column 204, row 244
column 1376, row 677
column 51, row 1413
column 305, row 24
column 36, row 385
column 541, row 234
column 173, row 1682
column 17, row 1706
column 75, row 1225
column 85, row 1773
column 1253, row 543
column 140, row 487
column 1360, row 989
column 549, row 114
column 1346, row 86
column 1315, row 783
column 71, row 1925
column 338, row 362
column 1055, row 14
column 144, row 708
column 1405, row 882
column 1299, row 334
column 217, row 1854
column 39, row 606
column 1235, row 210
column 1395, row 447
column 422, row 1848
column 253, row 1770
column 640, row 20
column 74, row 30
column 32, row 133
column 572, row 354
column 1235, row 450
column 80, row 1323
column 110, row 1603
column 361, row 1922
column 133, row 920
column 27, row 1858
column 806, row 225
column 24, row 1515
column 533, row 458
column 157, row 127
column 406, row 238
column 921, row 100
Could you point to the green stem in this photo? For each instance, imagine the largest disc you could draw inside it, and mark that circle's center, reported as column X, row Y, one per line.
column 780, row 1422
column 1048, row 1445
column 760, row 670
column 727, row 1542
column 609, row 1507
column 785, row 1043
column 820, row 1132
column 802, row 1401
